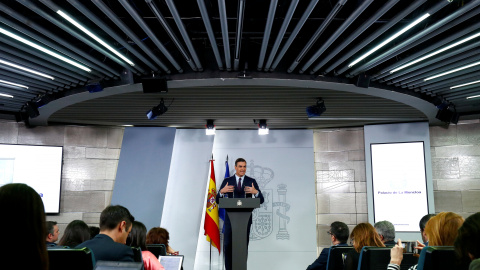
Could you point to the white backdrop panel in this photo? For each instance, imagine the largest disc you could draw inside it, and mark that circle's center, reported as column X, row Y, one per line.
column 282, row 163
column 184, row 198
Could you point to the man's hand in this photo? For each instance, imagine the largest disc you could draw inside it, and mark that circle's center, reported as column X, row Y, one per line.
column 396, row 253
column 419, row 246
column 251, row 190
column 227, row 189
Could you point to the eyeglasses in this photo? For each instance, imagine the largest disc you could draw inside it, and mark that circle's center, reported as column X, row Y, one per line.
column 351, row 241
column 329, row 232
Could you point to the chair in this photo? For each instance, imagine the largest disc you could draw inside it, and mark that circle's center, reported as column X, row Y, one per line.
column 374, row 258
column 108, row 265
column 437, row 258
column 379, row 258
column 137, row 255
column 74, row 259
column 335, row 254
column 157, row 249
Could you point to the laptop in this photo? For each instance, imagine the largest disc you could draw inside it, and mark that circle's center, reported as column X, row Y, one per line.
column 173, row 262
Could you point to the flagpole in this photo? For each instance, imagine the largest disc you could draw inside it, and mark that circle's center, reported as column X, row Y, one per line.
column 211, row 239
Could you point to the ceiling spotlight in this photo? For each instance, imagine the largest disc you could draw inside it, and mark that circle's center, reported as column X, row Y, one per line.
column 262, row 127
column 31, row 109
column 157, row 110
column 316, row 110
column 210, row 128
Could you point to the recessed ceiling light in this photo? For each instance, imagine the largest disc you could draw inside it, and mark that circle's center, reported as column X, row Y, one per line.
column 388, row 40
column 92, row 35
column 26, row 69
column 45, row 50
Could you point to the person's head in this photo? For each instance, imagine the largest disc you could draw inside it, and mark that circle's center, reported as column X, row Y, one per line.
column 385, row 230
column 158, row 235
column 22, row 204
column 116, row 221
column 94, row 230
column 422, row 224
column 76, row 233
column 137, row 236
column 442, row 229
column 338, row 232
column 364, row 234
column 240, row 167
column 52, row 231
column 466, row 244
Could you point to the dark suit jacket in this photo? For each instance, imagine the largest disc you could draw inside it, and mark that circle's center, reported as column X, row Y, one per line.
column 246, row 181
column 321, row 262
column 105, row 249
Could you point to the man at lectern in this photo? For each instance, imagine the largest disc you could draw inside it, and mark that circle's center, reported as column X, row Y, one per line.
column 237, row 186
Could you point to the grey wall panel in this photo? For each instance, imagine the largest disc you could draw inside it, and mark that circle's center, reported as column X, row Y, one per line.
column 185, row 197
column 142, row 172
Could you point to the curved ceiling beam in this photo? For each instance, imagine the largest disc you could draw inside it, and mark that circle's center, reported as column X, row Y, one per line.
column 425, row 107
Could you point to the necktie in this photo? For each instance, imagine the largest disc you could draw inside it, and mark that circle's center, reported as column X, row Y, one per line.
column 239, row 184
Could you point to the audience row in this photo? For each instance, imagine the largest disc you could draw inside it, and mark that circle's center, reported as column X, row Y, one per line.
column 113, row 241
column 119, row 232
column 443, row 229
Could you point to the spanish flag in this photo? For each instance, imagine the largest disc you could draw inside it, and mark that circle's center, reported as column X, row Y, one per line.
column 211, row 216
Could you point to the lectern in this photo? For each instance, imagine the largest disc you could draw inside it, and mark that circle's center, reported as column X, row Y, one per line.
column 239, row 211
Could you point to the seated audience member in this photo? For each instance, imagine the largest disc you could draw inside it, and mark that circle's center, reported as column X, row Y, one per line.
column 115, row 225
column 52, row 234
column 422, row 224
column 76, row 233
column 386, row 231
column 158, row 235
column 25, row 246
column 467, row 243
column 94, row 230
column 137, row 239
column 338, row 235
column 441, row 230
column 363, row 234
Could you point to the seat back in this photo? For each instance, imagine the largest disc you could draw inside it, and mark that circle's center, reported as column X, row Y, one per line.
column 437, row 258
column 71, row 258
column 335, row 258
column 157, row 249
column 374, row 258
column 108, row 265
column 137, row 254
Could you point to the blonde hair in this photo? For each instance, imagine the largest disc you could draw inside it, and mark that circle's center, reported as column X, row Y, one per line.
column 364, row 234
column 442, row 229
